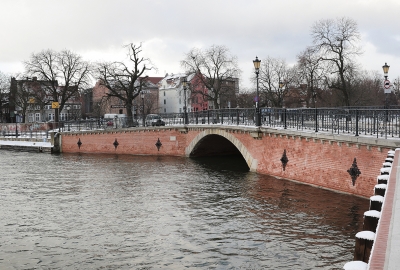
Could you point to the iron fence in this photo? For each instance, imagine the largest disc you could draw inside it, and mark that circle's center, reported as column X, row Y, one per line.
column 374, row 122
column 351, row 121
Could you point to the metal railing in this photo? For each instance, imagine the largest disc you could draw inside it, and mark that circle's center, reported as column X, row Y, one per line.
column 374, row 122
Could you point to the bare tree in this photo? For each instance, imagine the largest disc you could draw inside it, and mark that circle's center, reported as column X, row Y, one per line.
column 214, row 67
column 125, row 81
column 367, row 89
column 4, row 90
column 245, row 98
column 151, row 102
column 311, row 73
column 66, row 73
column 274, row 80
column 337, row 43
column 396, row 86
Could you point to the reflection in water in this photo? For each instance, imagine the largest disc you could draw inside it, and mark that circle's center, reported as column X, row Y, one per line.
column 139, row 212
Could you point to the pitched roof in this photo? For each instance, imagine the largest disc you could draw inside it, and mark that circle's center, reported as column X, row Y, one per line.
column 155, row 80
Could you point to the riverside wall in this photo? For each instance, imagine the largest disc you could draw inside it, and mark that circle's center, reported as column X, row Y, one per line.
column 318, row 159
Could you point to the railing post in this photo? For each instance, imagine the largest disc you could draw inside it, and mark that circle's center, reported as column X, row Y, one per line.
column 237, row 116
column 356, row 122
column 284, row 115
column 316, row 120
column 269, row 117
column 302, row 120
column 208, row 117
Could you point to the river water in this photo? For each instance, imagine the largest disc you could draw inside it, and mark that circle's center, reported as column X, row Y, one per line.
column 78, row 211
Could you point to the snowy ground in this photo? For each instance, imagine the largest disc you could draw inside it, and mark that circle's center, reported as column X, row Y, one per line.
column 26, row 143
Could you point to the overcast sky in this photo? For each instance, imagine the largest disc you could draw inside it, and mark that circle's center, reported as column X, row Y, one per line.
column 97, row 29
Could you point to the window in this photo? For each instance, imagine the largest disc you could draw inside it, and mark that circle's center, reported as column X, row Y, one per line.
column 76, row 106
column 37, row 107
column 180, row 110
column 30, row 117
column 47, row 107
column 165, row 101
column 165, row 110
column 164, row 93
column 37, row 117
column 50, row 117
column 179, row 101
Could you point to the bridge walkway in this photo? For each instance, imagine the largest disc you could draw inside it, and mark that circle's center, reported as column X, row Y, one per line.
column 386, row 249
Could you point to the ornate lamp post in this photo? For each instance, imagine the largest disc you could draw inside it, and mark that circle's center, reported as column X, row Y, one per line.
column 185, row 115
column 142, row 96
column 257, row 63
column 281, row 84
column 386, row 86
column 16, row 125
column 68, row 108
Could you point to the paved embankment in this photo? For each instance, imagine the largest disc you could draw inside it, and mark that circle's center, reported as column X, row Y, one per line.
column 39, row 146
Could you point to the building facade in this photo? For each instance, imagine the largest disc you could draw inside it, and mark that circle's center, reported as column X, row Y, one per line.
column 30, row 102
column 172, row 94
column 146, row 102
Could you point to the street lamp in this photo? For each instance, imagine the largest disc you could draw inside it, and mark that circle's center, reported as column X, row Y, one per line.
column 283, row 118
column 16, row 125
column 185, row 116
column 386, row 86
column 385, row 70
column 142, row 96
column 68, row 108
column 281, row 93
column 257, row 63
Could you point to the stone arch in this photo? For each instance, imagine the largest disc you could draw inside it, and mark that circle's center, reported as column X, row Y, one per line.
column 251, row 162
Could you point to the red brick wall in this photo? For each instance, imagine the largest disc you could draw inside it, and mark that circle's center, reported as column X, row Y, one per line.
column 320, row 163
column 140, row 142
column 312, row 161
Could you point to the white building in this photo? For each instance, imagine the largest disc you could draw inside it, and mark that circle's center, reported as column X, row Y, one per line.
column 171, row 94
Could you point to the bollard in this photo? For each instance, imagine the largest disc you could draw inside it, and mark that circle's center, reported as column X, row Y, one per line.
column 364, row 242
column 383, row 179
column 355, row 265
column 389, row 160
column 387, row 165
column 380, row 189
column 385, row 171
column 371, row 219
column 376, row 203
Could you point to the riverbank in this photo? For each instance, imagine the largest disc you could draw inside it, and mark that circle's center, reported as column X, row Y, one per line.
column 25, row 145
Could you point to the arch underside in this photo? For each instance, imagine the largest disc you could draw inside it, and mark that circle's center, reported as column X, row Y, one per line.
column 219, row 142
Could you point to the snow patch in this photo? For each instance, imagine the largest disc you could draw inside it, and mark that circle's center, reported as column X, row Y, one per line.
column 377, row 198
column 383, row 177
column 367, row 235
column 355, row 265
column 381, row 186
column 373, row 213
column 26, row 143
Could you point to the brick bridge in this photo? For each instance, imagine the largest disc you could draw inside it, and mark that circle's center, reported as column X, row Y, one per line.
column 320, row 159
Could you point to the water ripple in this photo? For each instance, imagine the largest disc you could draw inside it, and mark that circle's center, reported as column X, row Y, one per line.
column 130, row 212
